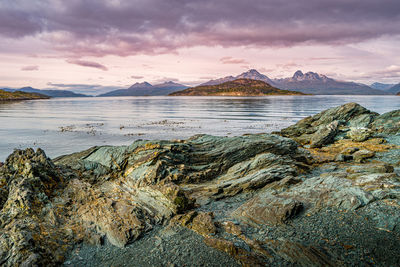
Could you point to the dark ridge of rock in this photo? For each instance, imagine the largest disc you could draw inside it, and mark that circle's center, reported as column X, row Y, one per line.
column 388, row 123
column 322, row 128
column 28, row 220
column 252, row 197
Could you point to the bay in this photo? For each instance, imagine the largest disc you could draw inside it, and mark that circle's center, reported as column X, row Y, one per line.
column 65, row 125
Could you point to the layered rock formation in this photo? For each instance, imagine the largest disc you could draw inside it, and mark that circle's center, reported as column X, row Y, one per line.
column 324, row 192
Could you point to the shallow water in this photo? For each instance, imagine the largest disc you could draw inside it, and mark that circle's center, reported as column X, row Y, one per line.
column 65, row 125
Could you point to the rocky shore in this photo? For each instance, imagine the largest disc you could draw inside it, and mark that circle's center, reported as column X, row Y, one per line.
column 323, row 192
column 6, row 96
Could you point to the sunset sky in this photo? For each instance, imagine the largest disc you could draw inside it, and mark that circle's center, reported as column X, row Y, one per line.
column 95, row 45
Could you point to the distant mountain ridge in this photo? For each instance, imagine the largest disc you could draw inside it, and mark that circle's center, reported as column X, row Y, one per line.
column 238, row 87
column 51, row 93
column 309, row 83
column 395, row 89
column 146, row 89
column 251, row 74
column 382, row 86
column 314, row 83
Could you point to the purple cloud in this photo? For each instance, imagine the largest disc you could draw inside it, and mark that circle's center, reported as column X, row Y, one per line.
column 101, row 27
column 89, row 64
column 16, row 23
column 30, row 68
column 392, row 71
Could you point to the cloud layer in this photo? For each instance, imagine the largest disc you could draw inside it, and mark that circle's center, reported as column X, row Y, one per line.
column 89, row 64
column 104, row 27
column 231, row 60
column 30, row 68
column 90, row 89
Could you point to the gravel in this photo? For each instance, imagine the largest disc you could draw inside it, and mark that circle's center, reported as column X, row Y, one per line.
column 170, row 246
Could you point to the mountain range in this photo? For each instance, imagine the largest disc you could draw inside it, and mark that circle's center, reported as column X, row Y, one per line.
column 382, row 86
column 251, row 74
column 314, row 83
column 146, row 89
column 238, row 87
column 51, row 93
column 309, row 83
column 394, row 89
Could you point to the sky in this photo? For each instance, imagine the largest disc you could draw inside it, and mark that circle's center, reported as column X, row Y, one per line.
column 94, row 46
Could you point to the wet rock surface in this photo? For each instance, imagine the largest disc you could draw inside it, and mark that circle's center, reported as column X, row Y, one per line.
column 323, row 192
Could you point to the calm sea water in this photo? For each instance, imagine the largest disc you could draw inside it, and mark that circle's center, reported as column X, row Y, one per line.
column 65, row 125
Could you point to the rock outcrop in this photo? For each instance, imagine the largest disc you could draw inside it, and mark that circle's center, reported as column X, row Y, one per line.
column 262, row 199
column 330, row 125
column 29, row 233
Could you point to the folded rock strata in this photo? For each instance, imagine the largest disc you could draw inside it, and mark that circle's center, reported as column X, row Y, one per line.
column 231, row 190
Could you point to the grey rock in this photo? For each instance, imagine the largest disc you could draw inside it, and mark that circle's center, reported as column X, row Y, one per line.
column 321, row 129
column 325, row 135
column 388, row 123
column 267, row 208
column 359, row 134
column 362, row 155
column 343, row 157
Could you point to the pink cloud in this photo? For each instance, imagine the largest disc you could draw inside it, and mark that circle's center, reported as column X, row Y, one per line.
column 137, row 77
column 231, row 60
column 288, row 66
column 30, row 68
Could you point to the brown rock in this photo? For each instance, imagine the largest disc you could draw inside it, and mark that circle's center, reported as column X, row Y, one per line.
column 185, row 219
column 177, row 196
column 203, row 224
column 349, row 150
column 244, row 257
column 268, row 209
column 362, row 155
column 232, row 228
